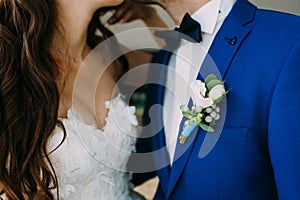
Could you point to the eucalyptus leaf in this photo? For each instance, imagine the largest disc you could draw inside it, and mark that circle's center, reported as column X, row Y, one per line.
column 206, row 127
column 209, row 78
column 197, row 120
column 212, row 123
column 187, row 114
column 184, row 108
column 213, row 83
column 218, row 100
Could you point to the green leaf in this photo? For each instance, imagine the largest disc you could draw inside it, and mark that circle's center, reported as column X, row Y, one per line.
column 206, row 127
column 197, row 120
column 213, row 83
column 218, row 100
column 227, row 92
column 212, row 123
column 182, row 107
column 187, row 114
column 209, row 78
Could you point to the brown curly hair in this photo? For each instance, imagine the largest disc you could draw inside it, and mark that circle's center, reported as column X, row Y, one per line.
column 29, row 96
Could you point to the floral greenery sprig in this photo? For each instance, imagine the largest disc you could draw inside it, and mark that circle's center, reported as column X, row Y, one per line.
column 205, row 110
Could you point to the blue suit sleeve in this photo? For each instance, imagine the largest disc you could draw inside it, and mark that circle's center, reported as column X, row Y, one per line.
column 284, row 128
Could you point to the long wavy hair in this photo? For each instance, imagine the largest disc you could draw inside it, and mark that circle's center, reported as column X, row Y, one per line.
column 29, row 96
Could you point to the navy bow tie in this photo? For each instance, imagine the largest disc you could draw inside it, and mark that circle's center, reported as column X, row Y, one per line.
column 189, row 29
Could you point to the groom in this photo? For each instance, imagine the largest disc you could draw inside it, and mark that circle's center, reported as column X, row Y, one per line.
column 257, row 155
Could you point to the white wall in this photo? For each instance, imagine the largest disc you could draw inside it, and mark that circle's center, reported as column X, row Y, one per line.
column 290, row 6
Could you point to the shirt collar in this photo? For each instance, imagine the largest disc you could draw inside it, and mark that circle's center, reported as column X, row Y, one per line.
column 211, row 13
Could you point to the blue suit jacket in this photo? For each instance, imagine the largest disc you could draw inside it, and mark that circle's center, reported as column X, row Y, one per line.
column 258, row 153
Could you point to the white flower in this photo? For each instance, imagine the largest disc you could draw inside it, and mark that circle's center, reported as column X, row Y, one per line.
column 198, row 93
column 216, row 92
column 213, row 114
column 208, row 110
column 203, row 102
column 198, row 109
column 208, row 119
column 198, row 86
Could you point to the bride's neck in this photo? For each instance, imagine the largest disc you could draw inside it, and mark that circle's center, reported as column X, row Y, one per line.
column 72, row 39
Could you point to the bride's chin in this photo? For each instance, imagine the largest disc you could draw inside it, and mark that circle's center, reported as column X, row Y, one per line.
column 118, row 2
column 113, row 2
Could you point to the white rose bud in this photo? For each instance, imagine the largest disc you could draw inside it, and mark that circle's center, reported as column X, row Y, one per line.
column 198, row 109
column 200, row 115
column 213, row 114
column 208, row 110
column 216, row 92
column 208, row 119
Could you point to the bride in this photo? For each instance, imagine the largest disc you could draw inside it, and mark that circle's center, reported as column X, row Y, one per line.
column 49, row 147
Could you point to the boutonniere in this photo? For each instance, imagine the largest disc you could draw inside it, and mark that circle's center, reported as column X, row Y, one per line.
column 205, row 110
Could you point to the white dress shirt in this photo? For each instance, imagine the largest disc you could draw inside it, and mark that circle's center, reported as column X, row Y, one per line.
column 185, row 64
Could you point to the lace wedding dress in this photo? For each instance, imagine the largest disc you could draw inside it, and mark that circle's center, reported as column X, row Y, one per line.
column 91, row 163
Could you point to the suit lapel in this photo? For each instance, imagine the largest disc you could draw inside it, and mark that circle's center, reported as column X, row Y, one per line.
column 181, row 156
column 230, row 37
column 224, row 47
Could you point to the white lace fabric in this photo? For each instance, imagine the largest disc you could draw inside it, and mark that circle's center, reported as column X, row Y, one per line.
column 91, row 163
